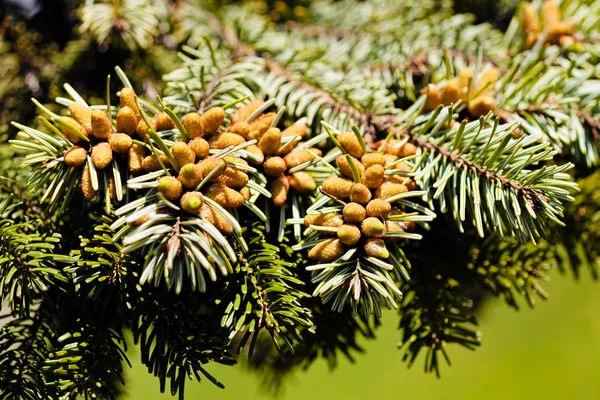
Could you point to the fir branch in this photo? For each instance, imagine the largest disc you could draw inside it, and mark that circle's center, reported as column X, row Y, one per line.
column 104, row 274
column 509, row 269
column 479, row 171
column 433, row 315
column 180, row 246
column 415, row 61
column 578, row 243
column 265, row 294
column 24, row 347
column 438, row 307
column 28, row 266
column 87, row 361
column 326, row 97
column 178, row 335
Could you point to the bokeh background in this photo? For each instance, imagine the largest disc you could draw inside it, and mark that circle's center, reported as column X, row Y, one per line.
column 550, row 352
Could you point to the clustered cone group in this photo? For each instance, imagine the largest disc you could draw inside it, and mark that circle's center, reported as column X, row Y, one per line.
column 226, row 181
column 93, row 134
column 560, row 31
column 208, row 170
column 275, row 151
column 363, row 221
column 477, row 93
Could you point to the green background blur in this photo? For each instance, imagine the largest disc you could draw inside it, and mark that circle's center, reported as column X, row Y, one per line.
column 551, row 352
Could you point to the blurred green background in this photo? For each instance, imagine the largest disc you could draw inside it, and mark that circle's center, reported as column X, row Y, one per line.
column 552, row 352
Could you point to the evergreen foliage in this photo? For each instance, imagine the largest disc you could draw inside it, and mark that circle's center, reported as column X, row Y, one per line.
column 292, row 179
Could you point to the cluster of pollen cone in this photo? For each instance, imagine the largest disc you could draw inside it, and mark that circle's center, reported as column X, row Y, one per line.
column 559, row 31
column 476, row 92
column 368, row 179
column 274, row 152
column 214, row 157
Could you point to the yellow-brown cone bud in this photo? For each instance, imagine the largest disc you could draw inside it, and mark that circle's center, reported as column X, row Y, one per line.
column 559, row 30
column 102, row 155
column 245, row 191
column 182, row 154
column 344, row 166
column 327, row 251
column 259, row 125
column 373, row 176
column 401, row 166
column 80, row 113
column 218, row 165
column 164, row 122
column 389, row 189
column 120, row 142
column 338, row 187
column 75, row 156
column 410, row 184
column 212, row 119
column 376, row 248
column 295, row 130
column 226, row 197
column 379, row 208
column 142, row 129
column 300, row 157
column 270, row 142
column 389, row 159
column 279, row 188
column 200, row 147
column 242, row 113
column 112, row 188
column 274, row 166
column 292, row 131
column 191, row 202
column 224, row 140
column 255, row 151
column 330, row 219
column 396, row 148
column 68, row 133
column 393, row 226
column 241, row 128
column 193, row 125
column 481, row 105
column 150, row 163
column 170, row 187
column 354, row 213
column 434, row 97
column 408, row 226
column 531, row 21
column 550, row 13
column 372, row 227
column 348, row 234
column 215, row 218
column 89, row 132
column 86, row 183
column 235, row 160
column 360, row 194
column 126, row 121
column 451, row 92
column 350, row 144
column 303, row 182
column 463, row 78
column 136, row 156
column 127, row 99
column 233, row 178
column 370, row 159
column 487, row 81
column 190, row 175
